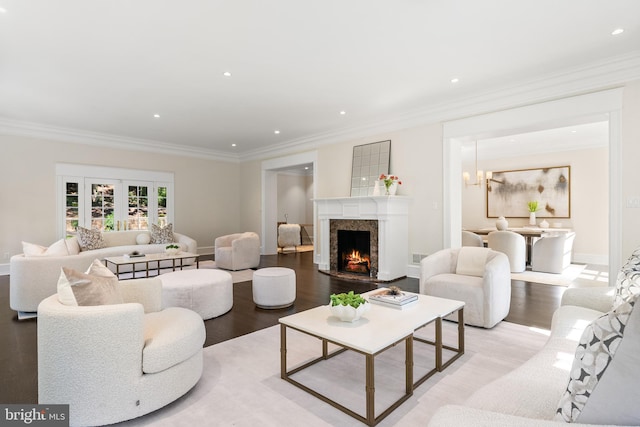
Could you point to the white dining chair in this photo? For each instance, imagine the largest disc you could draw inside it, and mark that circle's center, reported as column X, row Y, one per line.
column 552, row 253
column 471, row 239
column 513, row 245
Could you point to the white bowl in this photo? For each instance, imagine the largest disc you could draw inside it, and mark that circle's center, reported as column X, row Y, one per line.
column 172, row 251
column 346, row 313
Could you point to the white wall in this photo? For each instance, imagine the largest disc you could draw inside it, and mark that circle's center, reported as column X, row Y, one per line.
column 207, row 192
column 293, row 199
column 589, row 198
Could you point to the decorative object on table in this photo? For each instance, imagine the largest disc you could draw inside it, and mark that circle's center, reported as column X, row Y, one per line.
column 544, row 224
column 393, row 297
column 376, row 188
column 172, row 249
column 391, row 183
column 502, row 223
column 134, row 254
column 533, row 207
column 369, row 161
column 348, row 307
column 511, row 190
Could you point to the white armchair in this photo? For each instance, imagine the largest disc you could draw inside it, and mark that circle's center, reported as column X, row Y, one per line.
column 513, row 245
column 552, row 253
column 238, row 251
column 472, row 239
column 112, row 363
column 478, row 276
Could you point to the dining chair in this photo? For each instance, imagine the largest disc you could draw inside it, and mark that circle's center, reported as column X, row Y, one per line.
column 552, row 253
column 471, row 239
column 513, row 245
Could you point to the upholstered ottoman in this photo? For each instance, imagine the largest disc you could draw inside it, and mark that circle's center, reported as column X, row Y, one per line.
column 274, row 287
column 207, row 292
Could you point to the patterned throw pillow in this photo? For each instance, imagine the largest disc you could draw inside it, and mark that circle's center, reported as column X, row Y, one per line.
column 628, row 280
column 90, row 239
column 605, row 370
column 162, row 234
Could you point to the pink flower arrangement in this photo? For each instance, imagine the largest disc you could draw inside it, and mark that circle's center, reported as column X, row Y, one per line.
column 389, row 180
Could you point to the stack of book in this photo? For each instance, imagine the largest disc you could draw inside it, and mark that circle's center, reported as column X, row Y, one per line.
column 133, row 255
column 399, row 301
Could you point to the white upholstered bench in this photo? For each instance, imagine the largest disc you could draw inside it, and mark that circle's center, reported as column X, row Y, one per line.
column 207, row 292
column 274, row 287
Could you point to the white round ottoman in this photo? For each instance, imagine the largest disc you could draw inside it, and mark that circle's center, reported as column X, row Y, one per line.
column 207, row 292
column 274, row 287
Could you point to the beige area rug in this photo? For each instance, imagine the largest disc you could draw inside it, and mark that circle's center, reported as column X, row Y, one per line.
column 292, row 249
column 570, row 274
column 241, row 384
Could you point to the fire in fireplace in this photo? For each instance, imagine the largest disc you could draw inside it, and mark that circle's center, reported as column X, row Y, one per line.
column 353, row 250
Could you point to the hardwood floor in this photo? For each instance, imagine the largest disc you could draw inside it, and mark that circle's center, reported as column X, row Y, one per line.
column 531, row 304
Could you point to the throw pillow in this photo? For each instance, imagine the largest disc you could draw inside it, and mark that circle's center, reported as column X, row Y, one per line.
column 72, row 245
column 58, row 248
column 143, row 239
column 471, row 261
column 604, row 376
column 628, row 280
column 98, row 286
column 162, row 234
column 90, row 239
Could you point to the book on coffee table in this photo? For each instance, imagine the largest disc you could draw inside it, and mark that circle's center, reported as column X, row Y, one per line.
column 133, row 255
column 400, row 300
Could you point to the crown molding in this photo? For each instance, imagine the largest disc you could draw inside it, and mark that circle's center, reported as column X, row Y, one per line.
column 604, row 74
column 77, row 136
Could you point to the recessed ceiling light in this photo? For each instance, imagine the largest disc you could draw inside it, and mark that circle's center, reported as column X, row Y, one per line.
column 617, row 31
column 455, row 80
column 3, row 10
column 276, row 132
column 306, row 168
column 574, row 131
column 157, row 116
column 342, row 113
column 227, row 74
column 233, row 145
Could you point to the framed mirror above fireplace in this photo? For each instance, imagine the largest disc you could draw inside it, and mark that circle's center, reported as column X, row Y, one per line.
column 369, row 161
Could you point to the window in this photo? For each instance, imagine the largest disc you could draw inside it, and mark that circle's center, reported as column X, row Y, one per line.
column 112, row 199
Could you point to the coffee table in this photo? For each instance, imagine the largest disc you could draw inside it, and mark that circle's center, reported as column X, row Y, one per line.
column 151, row 261
column 380, row 329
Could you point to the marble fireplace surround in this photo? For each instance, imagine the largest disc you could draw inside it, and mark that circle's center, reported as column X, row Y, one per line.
column 354, row 225
column 391, row 215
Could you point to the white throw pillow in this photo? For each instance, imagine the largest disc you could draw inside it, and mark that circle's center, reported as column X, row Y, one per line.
column 143, row 238
column 471, row 261
column 98, row 286
column 604, row 377
column 72, row 245
column 59, row 248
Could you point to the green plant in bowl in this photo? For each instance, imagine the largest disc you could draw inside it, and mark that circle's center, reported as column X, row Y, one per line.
column 351, row 298
column 533, row 206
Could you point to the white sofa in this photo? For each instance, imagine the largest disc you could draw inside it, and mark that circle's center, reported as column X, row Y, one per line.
column 116, row 362
column 34, row 278
column 530, row 395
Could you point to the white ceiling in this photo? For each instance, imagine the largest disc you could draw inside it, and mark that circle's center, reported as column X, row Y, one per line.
column 107, row 66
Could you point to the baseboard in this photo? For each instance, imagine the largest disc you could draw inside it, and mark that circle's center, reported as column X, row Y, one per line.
column 590, row 259
column 413, row 270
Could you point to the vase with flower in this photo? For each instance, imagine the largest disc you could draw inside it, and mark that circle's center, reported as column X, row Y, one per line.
column 391, row 183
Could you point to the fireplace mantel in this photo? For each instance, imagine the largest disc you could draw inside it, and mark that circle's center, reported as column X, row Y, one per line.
column 392, row 214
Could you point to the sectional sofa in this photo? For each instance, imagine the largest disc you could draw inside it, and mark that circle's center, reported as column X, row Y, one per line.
column 34, row 278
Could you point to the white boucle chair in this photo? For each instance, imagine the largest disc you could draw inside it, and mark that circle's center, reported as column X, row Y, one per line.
column 471, row 239
column 478, row 276
column 513, row 245
column 238, row 251
column 112, row 363
column 552, row 253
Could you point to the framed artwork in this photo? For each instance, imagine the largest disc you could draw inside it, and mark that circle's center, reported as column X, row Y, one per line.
column 508, row 192
column 369, row 161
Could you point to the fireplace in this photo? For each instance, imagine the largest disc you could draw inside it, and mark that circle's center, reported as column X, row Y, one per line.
column 386, row 221
column 353, row 252
column 354, row 247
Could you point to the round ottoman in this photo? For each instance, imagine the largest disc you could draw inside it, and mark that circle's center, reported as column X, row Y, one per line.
column 274, row 287
column 207, row 292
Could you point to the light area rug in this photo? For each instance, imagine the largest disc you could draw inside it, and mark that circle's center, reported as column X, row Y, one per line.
column 241, row 384
column 565, row 278
column 237, row 276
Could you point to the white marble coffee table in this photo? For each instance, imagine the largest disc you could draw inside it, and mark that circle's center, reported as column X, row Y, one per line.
column 379, row 329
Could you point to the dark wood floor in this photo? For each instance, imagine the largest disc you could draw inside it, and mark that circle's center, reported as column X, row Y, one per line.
column 531, row 304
